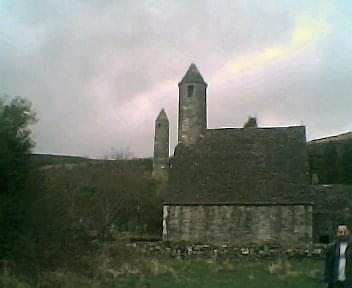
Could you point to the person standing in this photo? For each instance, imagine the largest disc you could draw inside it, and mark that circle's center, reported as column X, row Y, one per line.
column 338, row 261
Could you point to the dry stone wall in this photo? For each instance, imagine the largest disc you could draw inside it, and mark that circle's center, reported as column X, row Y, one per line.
column 183, row 250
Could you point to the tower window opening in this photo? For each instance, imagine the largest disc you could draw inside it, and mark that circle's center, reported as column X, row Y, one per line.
column 159, row 125
column 190, row 90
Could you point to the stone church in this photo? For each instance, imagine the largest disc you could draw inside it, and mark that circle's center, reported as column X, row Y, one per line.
column 238, row 185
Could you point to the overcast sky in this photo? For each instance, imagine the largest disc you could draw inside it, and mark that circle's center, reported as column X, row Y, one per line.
column 98, row 72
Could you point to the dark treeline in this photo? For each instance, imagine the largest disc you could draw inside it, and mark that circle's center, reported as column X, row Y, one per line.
column 15, row 144
column 75, row 208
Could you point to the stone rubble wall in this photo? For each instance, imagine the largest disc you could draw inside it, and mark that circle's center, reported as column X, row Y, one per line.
column 185, row 250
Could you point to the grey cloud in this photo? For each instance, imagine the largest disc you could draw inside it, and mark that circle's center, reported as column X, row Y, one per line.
column 84, row 64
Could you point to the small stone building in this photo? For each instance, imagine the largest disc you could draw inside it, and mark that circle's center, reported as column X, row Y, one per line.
column 235, row 186
column 247, row 185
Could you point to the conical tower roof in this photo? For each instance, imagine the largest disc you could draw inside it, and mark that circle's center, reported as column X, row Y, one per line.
column 162, row 116
column 192, row 76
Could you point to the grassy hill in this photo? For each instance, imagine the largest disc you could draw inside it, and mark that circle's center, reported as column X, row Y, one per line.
column 39, row 160
column 51, row 160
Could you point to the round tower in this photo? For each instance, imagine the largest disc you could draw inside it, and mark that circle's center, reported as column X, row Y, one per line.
column 192, row 113
column 161, row 146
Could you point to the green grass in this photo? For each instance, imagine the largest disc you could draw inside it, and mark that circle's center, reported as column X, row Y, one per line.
column 187, row 273
column 147, row 272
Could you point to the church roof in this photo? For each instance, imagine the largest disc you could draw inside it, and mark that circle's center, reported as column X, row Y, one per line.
column 339, row 137
column 162, row 116
column 246, row 166
column 192, row 76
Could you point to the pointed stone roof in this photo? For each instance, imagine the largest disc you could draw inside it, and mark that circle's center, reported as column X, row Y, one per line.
column 162, row 116
column 192, row 76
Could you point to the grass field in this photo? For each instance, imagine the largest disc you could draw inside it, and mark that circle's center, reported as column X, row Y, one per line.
column 159, row 273
column 279, row 273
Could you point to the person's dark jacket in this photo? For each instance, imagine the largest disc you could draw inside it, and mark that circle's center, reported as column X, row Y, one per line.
column 332, row 263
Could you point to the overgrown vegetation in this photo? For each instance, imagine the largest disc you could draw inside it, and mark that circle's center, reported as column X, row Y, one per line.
column 90, row 203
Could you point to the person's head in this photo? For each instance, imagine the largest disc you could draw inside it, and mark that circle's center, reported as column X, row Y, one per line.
column 342, row 232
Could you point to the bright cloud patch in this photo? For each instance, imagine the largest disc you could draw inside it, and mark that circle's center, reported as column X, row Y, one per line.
column 307, row 31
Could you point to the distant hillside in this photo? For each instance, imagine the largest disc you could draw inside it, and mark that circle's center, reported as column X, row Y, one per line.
column 39, row 160
column 50, row 160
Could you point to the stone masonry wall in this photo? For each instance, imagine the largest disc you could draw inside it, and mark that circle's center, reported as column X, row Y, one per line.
column 239, row 224
column 332, row 206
